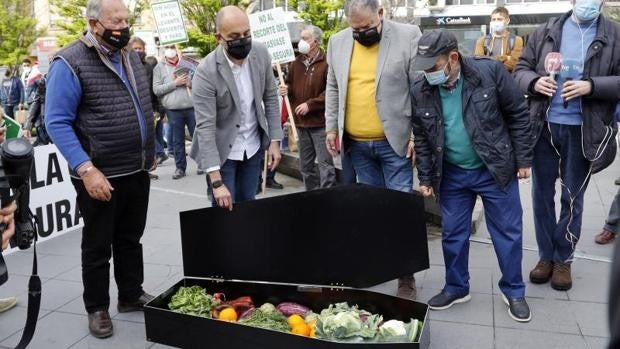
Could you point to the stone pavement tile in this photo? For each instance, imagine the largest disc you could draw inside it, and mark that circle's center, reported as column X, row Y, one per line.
column 20, row 262
column 596, row 342
column 161, row 346
column 478, row 311
column 14, row 320
column 76, row 306
column 67, row 244
column 480, row 279
column 134, row 317
column 54, row 265
column 127, row 335
column 166, row 256
column 591, row 318
column 156, row 274
column 55, row 331
column 548, row 315
column 16, row 285
column 590, row 281
column 506, row 338
column 74, row 274
column 56, row 293
column 454, row 335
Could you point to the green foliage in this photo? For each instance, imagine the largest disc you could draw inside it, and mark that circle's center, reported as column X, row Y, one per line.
column 73, row 23
column 18, row 31
column 613, row 13
column 325, row 14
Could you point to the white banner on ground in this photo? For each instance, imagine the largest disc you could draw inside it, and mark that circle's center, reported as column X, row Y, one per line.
column 269, row 27
column 169, row 20
column 52, row 196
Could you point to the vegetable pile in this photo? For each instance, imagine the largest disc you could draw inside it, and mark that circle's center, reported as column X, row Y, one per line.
column 339, row 322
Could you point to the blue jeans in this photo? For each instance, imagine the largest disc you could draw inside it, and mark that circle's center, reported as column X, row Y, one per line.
column 557, row 239
column 169, row 138
column 179, row 118
column 503, row 213
column 377, row 164
column 240, row 177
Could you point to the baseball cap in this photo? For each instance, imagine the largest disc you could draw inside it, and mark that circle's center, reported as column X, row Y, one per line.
column 431, row 45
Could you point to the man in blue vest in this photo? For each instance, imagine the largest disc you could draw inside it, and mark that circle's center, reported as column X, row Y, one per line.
column 99, row 114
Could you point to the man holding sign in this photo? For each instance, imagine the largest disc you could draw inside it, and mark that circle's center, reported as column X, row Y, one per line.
column 237, row 111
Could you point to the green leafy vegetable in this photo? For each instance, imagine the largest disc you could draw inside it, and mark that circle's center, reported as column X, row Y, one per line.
column 268, row 308
column 193, row 301
column 342, row 322
column 271, row 320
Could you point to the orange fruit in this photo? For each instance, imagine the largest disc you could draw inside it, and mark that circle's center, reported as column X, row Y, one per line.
column 313, row 333
column 302, row 330
column 295, row 320
column 228, row 314
column 312, row 323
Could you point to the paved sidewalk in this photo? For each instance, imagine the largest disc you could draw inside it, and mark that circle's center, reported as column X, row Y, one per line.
column 573, row 319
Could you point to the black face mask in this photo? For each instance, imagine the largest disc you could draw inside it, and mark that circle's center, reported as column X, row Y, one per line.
column 239, row 48
column 368, row 37
column 117, row 38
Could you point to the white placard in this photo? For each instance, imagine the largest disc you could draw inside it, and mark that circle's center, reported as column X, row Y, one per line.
column 169, row 20
column 269, row 27
column 52, row 195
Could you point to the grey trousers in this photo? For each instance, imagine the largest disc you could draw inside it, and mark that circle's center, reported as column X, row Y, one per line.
column 613, row 219
column 312, row 146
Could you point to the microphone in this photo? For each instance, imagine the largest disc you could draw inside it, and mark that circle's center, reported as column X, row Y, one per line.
column 565, row 101
column 553, row 64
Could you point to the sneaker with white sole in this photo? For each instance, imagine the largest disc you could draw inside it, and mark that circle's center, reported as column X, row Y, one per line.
column 518, row 309
column 445, row 300
column 7, row 303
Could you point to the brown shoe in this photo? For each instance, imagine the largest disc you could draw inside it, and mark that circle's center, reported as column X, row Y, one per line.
column 561, row 279
column 406, row 287
column 100, row 324
column 604, row 237
column 541, row 272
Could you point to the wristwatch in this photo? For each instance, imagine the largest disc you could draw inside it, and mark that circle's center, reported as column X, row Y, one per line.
column 217, row 184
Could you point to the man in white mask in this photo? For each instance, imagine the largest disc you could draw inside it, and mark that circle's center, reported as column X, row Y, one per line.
column 306, row 83
column 501, row 44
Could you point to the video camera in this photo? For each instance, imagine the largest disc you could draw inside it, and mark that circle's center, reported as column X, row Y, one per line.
column 16, row 156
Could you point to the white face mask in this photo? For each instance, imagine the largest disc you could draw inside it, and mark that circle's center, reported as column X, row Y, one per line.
column 170, row 53
column 27, row 69
column 304, row 47
column 497, row 27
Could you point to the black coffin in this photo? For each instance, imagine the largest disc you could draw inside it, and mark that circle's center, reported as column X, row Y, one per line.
column 314, row 248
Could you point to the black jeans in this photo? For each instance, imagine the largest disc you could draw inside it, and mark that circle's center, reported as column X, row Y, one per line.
column 113, row 228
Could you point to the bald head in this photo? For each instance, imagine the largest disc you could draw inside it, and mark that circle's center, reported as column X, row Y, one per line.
column 230, row 14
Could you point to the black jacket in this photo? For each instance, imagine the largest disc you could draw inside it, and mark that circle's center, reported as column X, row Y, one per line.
column 495, row 117
column 602, row 68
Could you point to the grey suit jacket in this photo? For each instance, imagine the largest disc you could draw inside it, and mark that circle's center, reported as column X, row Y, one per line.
column 395, row 75
column 216, row 101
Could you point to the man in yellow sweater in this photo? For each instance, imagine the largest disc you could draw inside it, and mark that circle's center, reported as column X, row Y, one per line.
column 368, row 105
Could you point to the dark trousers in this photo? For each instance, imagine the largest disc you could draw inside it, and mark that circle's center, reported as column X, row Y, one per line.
column 113, row 228
column 9, row 110
column 613, row 219
column 503, row 213
column 179, row 118
column 159, row 138
column 312, row 147
column 557, row 238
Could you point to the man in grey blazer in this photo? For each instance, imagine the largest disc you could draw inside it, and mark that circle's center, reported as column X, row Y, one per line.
column 368, row 106
column 237, row 111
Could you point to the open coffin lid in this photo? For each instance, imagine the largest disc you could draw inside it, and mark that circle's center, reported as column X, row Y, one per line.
column 349, row 236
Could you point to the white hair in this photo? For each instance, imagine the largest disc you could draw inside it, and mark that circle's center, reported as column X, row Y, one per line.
column 317, row 33
column 93, row 9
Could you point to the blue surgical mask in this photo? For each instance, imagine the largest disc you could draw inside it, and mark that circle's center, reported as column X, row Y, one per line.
column 587, row 10
column 438, row 77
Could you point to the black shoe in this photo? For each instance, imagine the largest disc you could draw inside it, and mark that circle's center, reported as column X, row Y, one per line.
column 100, row 324
column 518, row 309
column 178, row 173
column 274, row 185
column 445, row 300
column 200, row 172
column 617, row 182
column 137, row 305
column 161, row 159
